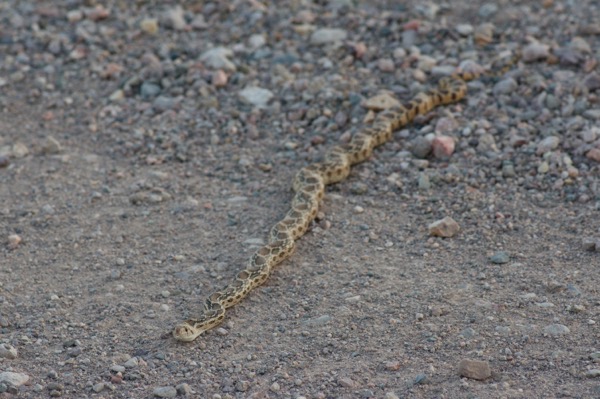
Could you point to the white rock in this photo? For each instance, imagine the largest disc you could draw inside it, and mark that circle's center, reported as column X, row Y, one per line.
column 7, row 351
column 14, row 379
column 328, row 35
column 218, row 58
column 256, row 96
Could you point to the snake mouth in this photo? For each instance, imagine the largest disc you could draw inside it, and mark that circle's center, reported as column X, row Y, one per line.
column 184, row 332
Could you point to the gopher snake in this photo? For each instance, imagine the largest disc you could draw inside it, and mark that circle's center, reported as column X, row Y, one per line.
column 309, row 186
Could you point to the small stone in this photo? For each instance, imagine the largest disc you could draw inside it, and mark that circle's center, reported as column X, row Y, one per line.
column 443, row 147
column 386, row 65
column 593, row 373
column 118, row 368
column 590, row 135
column 346, row 382
column 556, row 330
column 474, row 369
column 424, row 183
column 19, row 150
column 99, row 387
column 500, row 258
column 535, row 52
column 184, row 389
column 445, row 227
column 165, row 392
column 420, row 147
column 487, row 10
column 149, row 90
column 275, row 387
column 391, row 395
column 13, row 241
column 7, row 351
column 219, row 78
column 218, row 58
column 164, row 103
column 464, row 29
column 149, row 25
column 592, row 81
column 131, row 363
column 592, row 114
column 591, row 244
column 392, row 366
column 548, row 144
column 174, row 18
column 14, row 379
column 51, row 146
column 505, row 86
column 359, row 188
column 4, row 161
column 117, row 95
column 256, row 96
column 593, row 154
column 328, row 35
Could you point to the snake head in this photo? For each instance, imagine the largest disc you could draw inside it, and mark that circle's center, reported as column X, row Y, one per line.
column 186, row 332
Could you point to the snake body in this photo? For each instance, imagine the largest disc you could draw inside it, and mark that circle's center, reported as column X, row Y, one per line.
column 309, row 187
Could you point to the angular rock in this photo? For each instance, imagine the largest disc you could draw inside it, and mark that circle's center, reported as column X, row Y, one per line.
column 7, row 351
column 13, row 379
column 256, row 96
column 218, row 58
column 474, row 369
column 445, row 227
column 443, row 147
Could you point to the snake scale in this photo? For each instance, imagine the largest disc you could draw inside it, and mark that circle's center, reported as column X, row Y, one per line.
column 309, row 187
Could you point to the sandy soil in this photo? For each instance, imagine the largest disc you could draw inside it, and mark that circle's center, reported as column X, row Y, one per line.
column 120, row 213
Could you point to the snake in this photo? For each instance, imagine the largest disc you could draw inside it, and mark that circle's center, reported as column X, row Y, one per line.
column 309, row 189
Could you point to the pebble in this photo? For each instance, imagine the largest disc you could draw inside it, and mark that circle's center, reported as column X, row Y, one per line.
column 464, row 29
column 51, row 146
column 386, row 65
column 165, row 392
column 445, row 227
column 593, row 154
column 391, row 395
column 4, row 161
column 14, row 379
column 593, row 373
column 505, row 86
column 7, row 351
column 556, row 330
column 256, row 96
column 591, row 244
column 442, row 146
column 13, row 241
column 218, row 58
column 420, row 147
column 118, row 368
column 149, row 90
column 149, row 25
column 346, row 382
column 275, row 387
column 592, row 114
column 535, row 52
column 547, row 144
column 99, row 387
column 174, row 18
column 487, row 10
column 131, row 363
column 164, row 103
column 392, row 366
column 219, row 78
column 184, row 389
column 500, row 258
column 474, row 369
column 328, row 35
column 19, row 150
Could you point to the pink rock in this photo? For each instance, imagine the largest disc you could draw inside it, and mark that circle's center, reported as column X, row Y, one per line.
column 446, row 227
column 594, row 154
column 443, row 147
column 219, row 78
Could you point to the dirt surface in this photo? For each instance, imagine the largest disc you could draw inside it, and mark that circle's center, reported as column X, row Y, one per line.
column 137, row 177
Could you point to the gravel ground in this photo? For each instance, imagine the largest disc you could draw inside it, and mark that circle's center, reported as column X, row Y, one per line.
column 147, row 147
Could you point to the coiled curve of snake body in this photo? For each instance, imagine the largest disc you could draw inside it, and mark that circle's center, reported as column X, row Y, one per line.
column 309, row 186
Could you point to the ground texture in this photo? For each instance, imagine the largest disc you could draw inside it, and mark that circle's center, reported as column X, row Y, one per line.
column 146, row 148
